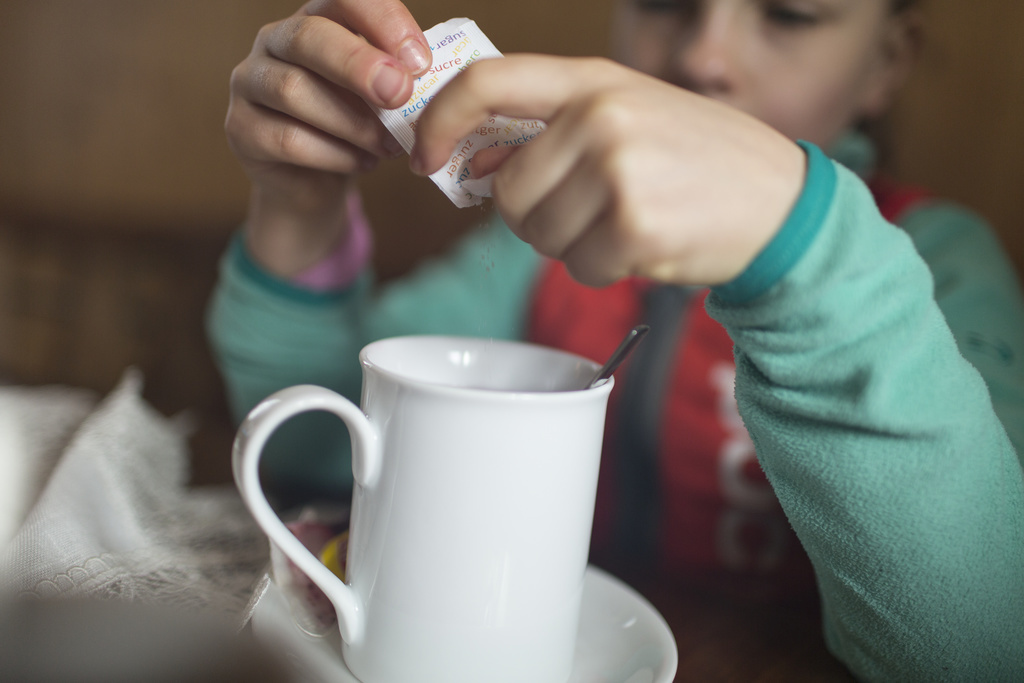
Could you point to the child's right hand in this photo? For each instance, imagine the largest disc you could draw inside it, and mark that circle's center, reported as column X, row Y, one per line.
column 633, row 175
column 298, row 119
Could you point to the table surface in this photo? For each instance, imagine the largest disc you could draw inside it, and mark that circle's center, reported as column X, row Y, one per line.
column 721, row 638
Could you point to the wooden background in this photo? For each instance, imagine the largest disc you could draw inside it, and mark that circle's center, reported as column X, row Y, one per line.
column 118, row 192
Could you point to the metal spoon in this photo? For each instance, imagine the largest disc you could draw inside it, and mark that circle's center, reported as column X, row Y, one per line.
column 632, row 338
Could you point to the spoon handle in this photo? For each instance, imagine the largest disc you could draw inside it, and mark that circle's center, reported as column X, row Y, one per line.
column 632, row 338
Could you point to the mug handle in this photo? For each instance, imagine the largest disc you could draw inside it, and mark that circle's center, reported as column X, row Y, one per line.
column 252, row 435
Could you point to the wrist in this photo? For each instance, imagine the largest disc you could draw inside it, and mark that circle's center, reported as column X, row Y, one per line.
column 789, row 243
column 286, row 241
column 339, row 269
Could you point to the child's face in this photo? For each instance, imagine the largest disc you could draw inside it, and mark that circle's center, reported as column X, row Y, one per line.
column 808, row 68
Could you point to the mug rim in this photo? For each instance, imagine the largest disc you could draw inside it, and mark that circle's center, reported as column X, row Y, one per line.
column 479, row 393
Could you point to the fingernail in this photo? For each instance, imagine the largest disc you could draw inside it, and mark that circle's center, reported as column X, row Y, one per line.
column 388, row 82
column 416, row 163
column 414, row 55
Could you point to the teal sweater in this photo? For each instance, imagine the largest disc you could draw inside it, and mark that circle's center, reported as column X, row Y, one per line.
column 880, row 373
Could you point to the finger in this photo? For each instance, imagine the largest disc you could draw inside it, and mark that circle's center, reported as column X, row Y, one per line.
column 341, row 57
column 601, row 256
column 305, row 96
column 523, row 86
column 260, row 135
column 528, row 176
column 563, row 215
column 386, row 24
column 489, row 159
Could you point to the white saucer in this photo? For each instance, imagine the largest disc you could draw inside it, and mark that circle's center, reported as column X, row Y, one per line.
column 622, row 638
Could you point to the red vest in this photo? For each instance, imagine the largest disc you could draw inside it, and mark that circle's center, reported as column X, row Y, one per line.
column 717, row 518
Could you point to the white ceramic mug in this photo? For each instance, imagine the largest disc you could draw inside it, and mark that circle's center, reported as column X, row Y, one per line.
column 476, row 470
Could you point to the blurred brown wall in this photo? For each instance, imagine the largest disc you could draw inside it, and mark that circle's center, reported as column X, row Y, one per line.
column 118, row 192
column 111, row 111
column 959, row 126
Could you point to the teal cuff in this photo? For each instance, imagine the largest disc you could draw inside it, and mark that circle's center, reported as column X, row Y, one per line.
column 795, row 235
column 242, row 261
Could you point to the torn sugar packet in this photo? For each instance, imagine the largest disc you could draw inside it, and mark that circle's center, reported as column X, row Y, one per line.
column 455, row 45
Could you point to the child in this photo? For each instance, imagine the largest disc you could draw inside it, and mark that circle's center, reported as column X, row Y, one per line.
column 877, row 371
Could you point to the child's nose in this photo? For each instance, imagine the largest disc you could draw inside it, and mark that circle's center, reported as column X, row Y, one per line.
column 706, row 57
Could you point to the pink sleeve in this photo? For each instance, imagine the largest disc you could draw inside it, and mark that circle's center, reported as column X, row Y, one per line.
column 342, row 266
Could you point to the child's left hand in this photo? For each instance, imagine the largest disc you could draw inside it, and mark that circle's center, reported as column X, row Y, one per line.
column 632, row 177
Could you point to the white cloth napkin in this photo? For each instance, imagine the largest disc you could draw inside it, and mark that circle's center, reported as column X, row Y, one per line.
column 111, row 514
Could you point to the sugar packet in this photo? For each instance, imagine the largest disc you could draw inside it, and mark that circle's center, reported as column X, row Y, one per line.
column 455, row 44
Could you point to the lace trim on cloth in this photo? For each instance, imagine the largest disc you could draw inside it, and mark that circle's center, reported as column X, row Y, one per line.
column 116, row 519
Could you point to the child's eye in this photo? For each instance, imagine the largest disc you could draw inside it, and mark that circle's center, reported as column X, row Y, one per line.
column 789, row 16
